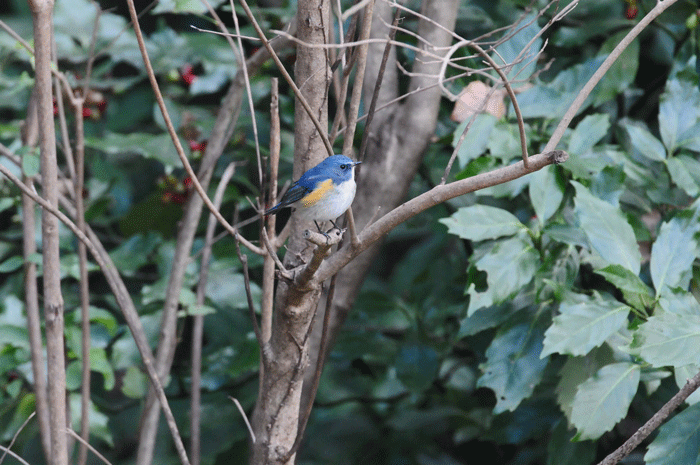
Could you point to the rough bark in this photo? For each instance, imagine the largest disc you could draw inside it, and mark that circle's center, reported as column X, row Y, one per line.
column 42, row 16
column 276, row 416
column 397, row 141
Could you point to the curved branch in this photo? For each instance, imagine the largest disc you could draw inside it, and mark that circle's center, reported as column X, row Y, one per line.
column 660, row 7
column 434, row 196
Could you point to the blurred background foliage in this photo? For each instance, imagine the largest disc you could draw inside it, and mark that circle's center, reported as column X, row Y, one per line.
column 537, row 322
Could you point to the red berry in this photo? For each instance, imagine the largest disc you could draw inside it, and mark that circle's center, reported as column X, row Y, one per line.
column 194, row 145
column 188, row 75
column 87, row 112
column 102, row 106
column 187, row 182
column 631, row 12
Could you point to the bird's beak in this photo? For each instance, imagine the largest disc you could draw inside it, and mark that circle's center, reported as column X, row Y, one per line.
column 356, row 163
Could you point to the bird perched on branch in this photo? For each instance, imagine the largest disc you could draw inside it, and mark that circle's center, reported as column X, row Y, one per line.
column 323, row 193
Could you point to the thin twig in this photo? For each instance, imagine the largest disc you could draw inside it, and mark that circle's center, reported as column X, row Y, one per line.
column 273, row 253
column 600, row 72
column 118, row 288
column 249, row 295
column 198, row 327
column 297, row 93
column 14, row 437
column 249, row 93
column 378, row 85
column 88, row 446
column 176, row 141
column 245, row 418
column 653, row 423
column 320, row 362
column 356, row 96
column 15, row 456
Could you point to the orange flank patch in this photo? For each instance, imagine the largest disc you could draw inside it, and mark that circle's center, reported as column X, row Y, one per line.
column 322, row 188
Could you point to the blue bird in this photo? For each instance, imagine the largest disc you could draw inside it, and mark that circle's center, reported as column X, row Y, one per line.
column 323, row 193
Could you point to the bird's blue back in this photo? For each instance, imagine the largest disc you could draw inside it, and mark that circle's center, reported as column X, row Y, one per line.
column 330, row 168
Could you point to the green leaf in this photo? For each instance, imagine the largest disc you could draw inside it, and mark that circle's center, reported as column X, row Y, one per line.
column 575, row 371
column 603, row 400
column 679, row 111
column 100, row 364
column 672, row 254
column 588, row 133
column 476, row 140
column 668, row 339
column 561, row 450
column 484, row 319
column 134, row 383
column 679, row 301
column 622, row 73
column 583, row 323
column 159, row 147
column 481, row 222
column 513, row 50
column 685, row 173
column 634, row 291
column 678, row 440
column 30, row 163
column 681, row 375
column 510, row 265
column 551, row 100
column 644, row 142
column 417, row 366
column 608, row 232
column 504, row 142
column 513, row 365
column 546, row 193
column 134, row 253
column 11, row 264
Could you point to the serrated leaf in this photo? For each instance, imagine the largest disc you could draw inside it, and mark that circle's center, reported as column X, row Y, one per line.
column 607, row 230
column 668, row 339
column 678, row 440
column 583, row 323
column 546, row 193
column 679, row 110
column 634, row 291
column 603, row 400
column 672, row 254
column 510, row 265
column 513, row 367
column 481, row 222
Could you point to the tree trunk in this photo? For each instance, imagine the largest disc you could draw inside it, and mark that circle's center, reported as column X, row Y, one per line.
column 397, row 141
column 276, row 416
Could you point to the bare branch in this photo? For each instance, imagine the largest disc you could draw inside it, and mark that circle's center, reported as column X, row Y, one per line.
column 660, row 7
column 429, row 199
column 654, row 422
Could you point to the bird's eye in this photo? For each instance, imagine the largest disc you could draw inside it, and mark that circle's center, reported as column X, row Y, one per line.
column 342, row 167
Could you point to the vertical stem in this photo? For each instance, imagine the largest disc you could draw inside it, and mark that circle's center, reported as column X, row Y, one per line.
column 268, row 278
column 42, row 14
column 84, row 288
column 30, row 138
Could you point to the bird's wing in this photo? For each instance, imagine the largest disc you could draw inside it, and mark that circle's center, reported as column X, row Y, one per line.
column 293, row 194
